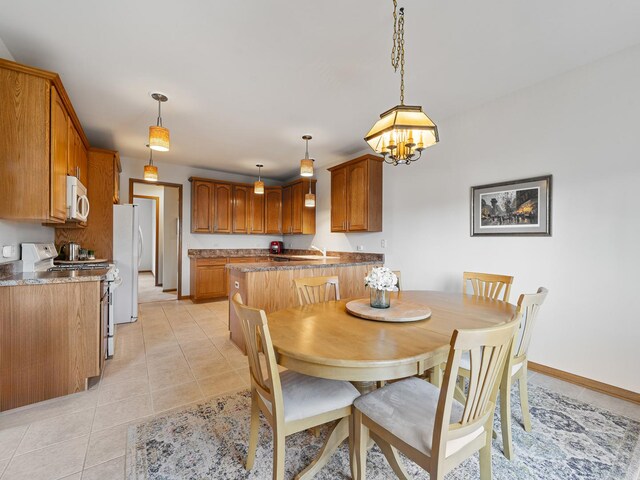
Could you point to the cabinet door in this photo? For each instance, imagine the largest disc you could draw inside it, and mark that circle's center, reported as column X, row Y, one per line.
column 256, row 213
column 339, row 200
column 59, row 156
column 211, row 281
column 72, row 148
column 297, row 205
column 286, row 210
column 82, row 162
column 222, row 208
column 116, row 178
column 357, row 195
column 201, row 207
column 273, row 210
column 240, row 215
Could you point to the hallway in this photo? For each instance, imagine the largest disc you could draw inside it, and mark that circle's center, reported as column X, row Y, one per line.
column 148, row 292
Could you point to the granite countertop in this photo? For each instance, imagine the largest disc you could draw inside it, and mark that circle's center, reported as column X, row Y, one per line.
column 228, row 252
column 44, row 278
column 301, row 264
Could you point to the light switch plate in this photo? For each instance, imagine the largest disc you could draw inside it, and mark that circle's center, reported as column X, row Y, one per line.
column 360, row 248
column 7, row 251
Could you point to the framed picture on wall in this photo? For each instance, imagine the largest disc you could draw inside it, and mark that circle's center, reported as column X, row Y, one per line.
column 519, row 207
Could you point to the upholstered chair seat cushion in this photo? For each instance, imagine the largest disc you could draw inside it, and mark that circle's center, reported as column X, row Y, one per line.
column 407, row 409
column 465, row 362
column 305, row 396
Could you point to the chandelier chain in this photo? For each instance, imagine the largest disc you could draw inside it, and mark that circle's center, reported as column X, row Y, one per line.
column 397, row 52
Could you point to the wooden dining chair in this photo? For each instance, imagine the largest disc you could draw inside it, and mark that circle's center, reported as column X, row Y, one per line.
column 488, row 285
column 426, row 423
column 317, row 289
column 290, row 401
column 399, row 275
column 526, row 314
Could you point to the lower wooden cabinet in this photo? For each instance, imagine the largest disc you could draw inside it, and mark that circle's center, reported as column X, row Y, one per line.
column 50, row 341
column 209, row 276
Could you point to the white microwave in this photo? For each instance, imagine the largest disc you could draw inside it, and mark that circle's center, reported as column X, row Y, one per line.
column 77, row 201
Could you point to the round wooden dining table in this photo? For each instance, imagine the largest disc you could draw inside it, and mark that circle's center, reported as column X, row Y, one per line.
column 325, row 340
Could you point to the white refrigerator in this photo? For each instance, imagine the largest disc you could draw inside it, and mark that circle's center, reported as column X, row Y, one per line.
column 127, row 249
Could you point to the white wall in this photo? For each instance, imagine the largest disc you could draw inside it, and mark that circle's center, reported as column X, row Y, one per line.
column 154, row 191
column 170, row 245
column 582, row 127
column 179, row 174
column 15, row 233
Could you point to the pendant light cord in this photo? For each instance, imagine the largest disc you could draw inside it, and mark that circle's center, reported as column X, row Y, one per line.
column 397, row 52
column 151, row 156
column 159, row 122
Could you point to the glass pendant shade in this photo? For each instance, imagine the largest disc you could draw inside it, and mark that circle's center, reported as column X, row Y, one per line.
column 159, row 138
column 306, row 167
column 402, row 133
column 258, row 187
column 151, row 173
column 309, row 200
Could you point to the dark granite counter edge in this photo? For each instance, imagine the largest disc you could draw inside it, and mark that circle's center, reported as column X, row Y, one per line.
column 268, row 267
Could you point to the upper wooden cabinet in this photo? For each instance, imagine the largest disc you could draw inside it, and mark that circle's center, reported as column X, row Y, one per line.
column 240, row 212
column 222, row 203
column 273, row 210
column 36, row 118
column 201, row 207
column 256, row 212
column 356, row 195
column 296, row 218
column 77, row 159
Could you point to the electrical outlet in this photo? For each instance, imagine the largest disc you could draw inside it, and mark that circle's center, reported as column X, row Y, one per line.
column 383, row 243
column 360, row 248
column 7, row 251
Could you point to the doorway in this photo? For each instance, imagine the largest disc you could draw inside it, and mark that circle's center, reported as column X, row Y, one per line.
column 160, row 213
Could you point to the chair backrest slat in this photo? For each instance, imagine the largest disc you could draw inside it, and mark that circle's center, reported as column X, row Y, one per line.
column 527, row 312
column 262, row 362
column 317, row 289
column 488, row 285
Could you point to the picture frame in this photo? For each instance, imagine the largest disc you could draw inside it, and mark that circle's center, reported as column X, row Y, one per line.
column 514, row 208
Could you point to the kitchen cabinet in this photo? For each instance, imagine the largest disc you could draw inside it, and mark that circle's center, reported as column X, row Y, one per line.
column 222, row 203
column 50, row 342
column 201, row 207
column 240, row 209
column 36, row 116
column 256, row 212
column 356, row 195
column 273, row 210
column 102, row 189
column 77, row 160
column 209, row 276
column 296, row 218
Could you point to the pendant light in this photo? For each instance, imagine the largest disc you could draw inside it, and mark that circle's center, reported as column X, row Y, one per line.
column 258, row 186
column 309, row 198
column 158, row 135
column 150, row 170
column 306, row 164
column 404, row 131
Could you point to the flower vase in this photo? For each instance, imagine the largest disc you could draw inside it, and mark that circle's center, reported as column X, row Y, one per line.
column 379, row 298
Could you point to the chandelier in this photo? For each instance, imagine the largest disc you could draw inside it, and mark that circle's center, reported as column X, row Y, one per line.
column 404, row 131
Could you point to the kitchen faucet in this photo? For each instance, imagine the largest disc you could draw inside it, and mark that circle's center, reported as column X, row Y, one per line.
column 323, row 251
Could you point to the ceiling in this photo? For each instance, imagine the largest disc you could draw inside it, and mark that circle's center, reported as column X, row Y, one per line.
column 246, row 79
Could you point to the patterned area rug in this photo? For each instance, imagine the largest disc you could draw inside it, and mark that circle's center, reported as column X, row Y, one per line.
column 571, row 440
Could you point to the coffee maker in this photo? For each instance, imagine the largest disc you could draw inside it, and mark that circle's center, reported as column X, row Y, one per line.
column 276, row 248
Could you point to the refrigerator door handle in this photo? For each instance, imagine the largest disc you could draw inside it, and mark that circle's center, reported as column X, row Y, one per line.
column 140, row 240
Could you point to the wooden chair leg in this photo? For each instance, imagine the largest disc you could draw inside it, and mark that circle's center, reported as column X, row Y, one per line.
column 392, row 456
column 505, row 417
column 352, row 447
column 278, row 455
column 360, row 443
column 524, row 398
column 485, row 460
column 254, row 429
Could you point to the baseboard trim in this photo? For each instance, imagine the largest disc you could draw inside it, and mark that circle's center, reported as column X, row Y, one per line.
column 169, row 290
column 586, row 382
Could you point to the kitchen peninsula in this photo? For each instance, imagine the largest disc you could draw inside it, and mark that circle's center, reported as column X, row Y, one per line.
column 269, row 286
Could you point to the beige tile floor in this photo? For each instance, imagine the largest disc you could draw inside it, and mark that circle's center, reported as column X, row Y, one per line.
column 176, row 354
column 148, row 292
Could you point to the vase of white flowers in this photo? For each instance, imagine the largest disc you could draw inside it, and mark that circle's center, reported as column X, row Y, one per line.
column 381, row 282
